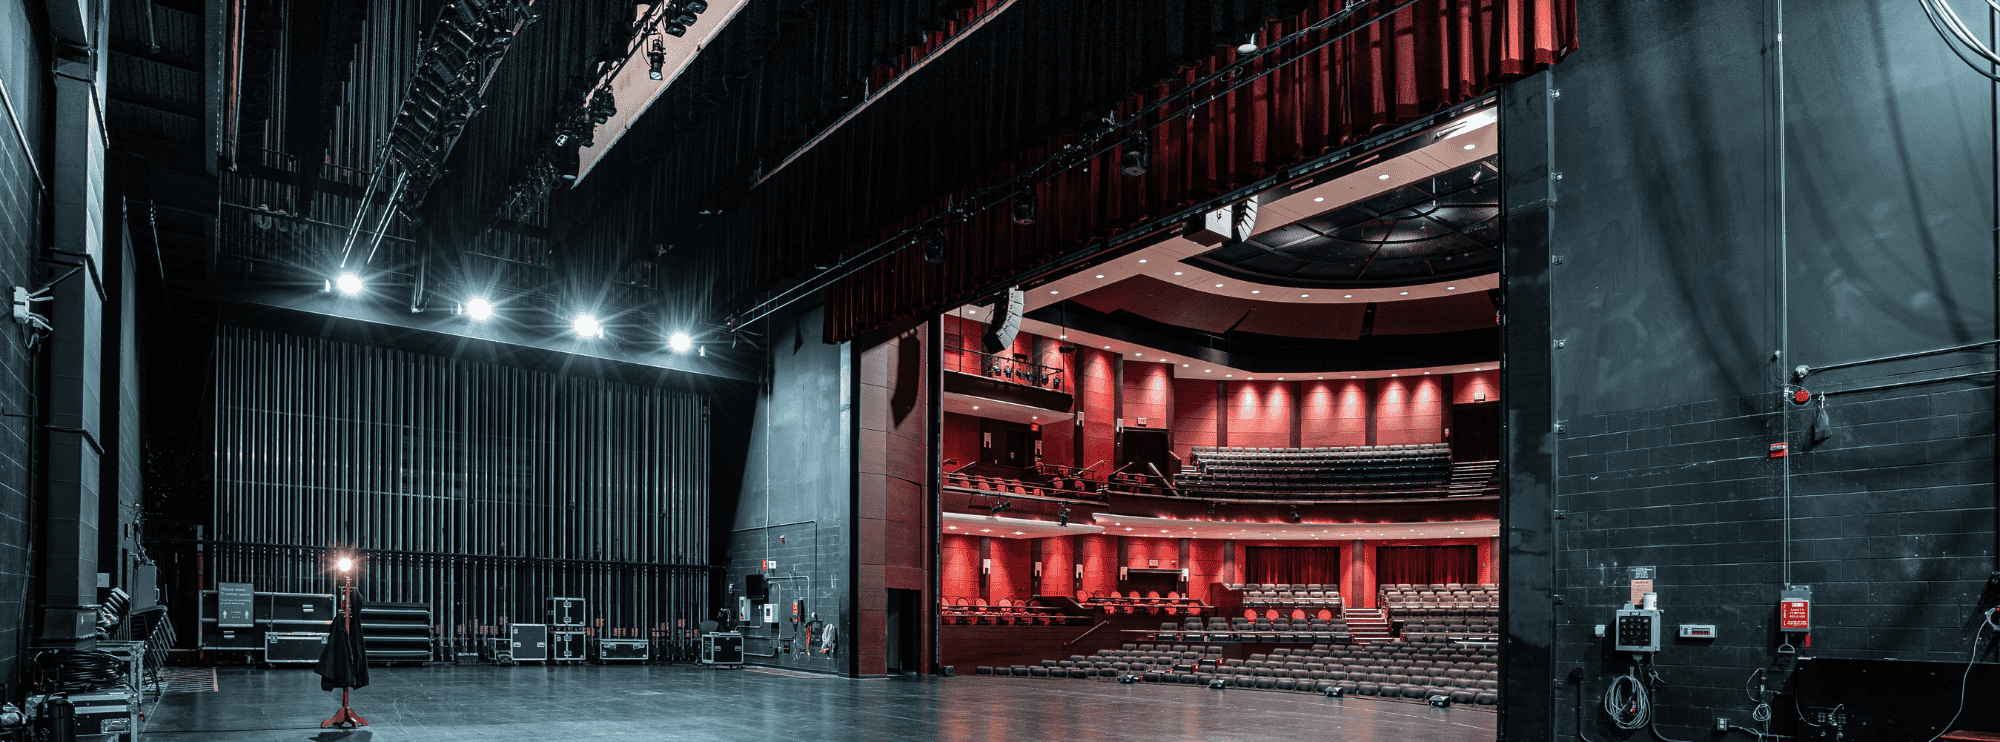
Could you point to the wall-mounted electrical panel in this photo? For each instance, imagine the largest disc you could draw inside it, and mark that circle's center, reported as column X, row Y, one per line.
column 1638, row 630
column 1697, row 631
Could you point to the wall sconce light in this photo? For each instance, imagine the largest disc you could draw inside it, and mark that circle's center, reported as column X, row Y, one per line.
column 986, row 566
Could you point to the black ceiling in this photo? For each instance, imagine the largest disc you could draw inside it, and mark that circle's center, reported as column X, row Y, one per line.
column 1438, row 228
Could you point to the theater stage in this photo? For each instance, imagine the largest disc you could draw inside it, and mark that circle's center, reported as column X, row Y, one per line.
column 574, row 704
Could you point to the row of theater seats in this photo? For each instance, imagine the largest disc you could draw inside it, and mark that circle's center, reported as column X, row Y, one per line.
column 1286, row 598
column 1073, row 489
column 1149, row 604
column 1257, row 630
column 1456, row 628
column 1450, row 599
column 1004, row 612
column 1466, row 674
column 1353, row 469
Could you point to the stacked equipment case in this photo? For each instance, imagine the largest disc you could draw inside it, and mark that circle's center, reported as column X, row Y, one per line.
column 567, row 618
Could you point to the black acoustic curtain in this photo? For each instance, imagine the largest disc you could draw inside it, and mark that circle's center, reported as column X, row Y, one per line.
column 1284, row 565
column 1426, row 565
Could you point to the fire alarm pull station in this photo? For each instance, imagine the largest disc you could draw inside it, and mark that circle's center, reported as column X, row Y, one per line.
column 798, row 610
column 1795, row 609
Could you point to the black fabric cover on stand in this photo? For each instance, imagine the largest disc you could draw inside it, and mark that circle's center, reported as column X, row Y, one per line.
column 344, row 663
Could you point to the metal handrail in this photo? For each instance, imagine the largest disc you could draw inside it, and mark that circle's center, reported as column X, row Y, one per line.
column 1007, row 368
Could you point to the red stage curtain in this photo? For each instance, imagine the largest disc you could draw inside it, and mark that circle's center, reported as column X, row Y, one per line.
column 1264, row 565
column 1424, row 58
column 1426, row 565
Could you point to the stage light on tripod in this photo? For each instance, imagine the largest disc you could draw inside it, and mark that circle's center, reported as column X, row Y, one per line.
column 679, row 342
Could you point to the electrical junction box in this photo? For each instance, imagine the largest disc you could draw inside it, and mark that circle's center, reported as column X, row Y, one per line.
column 1697, row 631
column 1795, row 608
column 1638, row 630
column 770, row 613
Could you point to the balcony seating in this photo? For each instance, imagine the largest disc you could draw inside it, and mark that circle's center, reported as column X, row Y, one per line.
column 1315, row 473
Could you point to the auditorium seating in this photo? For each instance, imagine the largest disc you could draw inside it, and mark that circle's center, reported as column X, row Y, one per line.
column 1446, row 611
column 1004, row 612
column 1057, row 488
column 1311, row 473
column 1291, row 601
column 1152, row 603
column 1417, row 670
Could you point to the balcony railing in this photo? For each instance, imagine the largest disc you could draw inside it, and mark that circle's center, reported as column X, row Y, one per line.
column 1011, row 368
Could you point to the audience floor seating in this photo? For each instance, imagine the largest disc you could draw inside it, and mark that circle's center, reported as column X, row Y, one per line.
column 1055, row 487
column 1446, row 611
column 1465, row 673
column 1004, row 612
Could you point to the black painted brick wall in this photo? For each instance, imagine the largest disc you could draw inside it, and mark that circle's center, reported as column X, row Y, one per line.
column 21, row 205
column 1892, row 526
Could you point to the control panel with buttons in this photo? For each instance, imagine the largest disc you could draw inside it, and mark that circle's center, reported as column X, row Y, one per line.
column 1638, row 630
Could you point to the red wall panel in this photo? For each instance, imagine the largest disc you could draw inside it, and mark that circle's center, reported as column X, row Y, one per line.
column 1095, row 401
column 1139, row 551
column 1147, row 390
column 961, row 439
column 1100, row 564
column 1333, row 413
column 1408, row 409
column 1058, row 565
column 1464, row 385
column 1193, row 414
column 961, row 568
column 1260, row 414
column 1012, row 570
column 1204, row 567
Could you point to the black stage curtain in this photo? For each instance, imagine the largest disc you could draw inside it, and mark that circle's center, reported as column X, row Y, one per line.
column 1426, row 565
column 1291, row 566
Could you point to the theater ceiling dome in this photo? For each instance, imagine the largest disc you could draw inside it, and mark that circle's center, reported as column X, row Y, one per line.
column 1437, row 228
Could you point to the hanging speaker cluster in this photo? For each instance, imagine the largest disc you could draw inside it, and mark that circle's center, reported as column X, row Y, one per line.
column 1006, row 321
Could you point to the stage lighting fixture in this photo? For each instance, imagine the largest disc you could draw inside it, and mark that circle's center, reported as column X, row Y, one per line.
column 656, row 59
column 685, row 19
column 586, row 325
column 345, row 564
column 1001, row 507
column 478, row 309
column 1062, row 516
column 1218, row 684
column 1211, row 508
column 1128, row 678
column 934, row 248
column 674, row 29
column 1295, row 515
column 1442, row 702
column 1136, row 157
column 695, row 6
column 679, row 342
column 1249, row 45
column 603, row 105
column 349, row 283
column 1333, row 691
column 1024, row 207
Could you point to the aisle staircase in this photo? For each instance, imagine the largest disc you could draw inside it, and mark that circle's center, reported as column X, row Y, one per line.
column 1473, row 478
column 1367, row 625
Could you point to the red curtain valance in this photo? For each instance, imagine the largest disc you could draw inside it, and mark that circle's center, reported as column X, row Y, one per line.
column 1431, row 55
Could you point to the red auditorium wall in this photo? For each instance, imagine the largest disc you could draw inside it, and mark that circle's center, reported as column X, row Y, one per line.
column 1095, row 391
column 1260, row 414
column 1148, row 393
column 1204, row 568
column 1058, row 566
column 1408, row 409
column 1193, row 414
column 1139, row 552
column 1012, row 570
column 1465, row 386
column 961, row 440
column 1100, row 564
column 1333, row 413
column 891, row 525
column 961, row 567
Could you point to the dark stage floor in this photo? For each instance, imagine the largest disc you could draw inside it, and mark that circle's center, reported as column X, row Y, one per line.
column 575, row 704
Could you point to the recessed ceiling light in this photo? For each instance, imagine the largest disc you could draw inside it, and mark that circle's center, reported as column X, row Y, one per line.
column 1305, row 296
column 1470, row 146
column 1322, row 377
column 1406, row 293
column 1476, row 368
column 1281, row 378
column 1384, row 176
column 1427, row 373
column 1256, row 291
column 1218, row 285
column 1107, row 347
column 975, row 407
column 1317, row 199
column 1017, row 533
column 1128, row 529
column 1100, row 275
column 1064, row 337
column 1142, row 260
column 1185, row 366
column 1349, row 296
column 985, row 530
column 1052, row 291
column 1389, row 374
column 1177, row 273
column 1451, row 288
column 951, row 528
column 1232, row 376
column 1208, row 370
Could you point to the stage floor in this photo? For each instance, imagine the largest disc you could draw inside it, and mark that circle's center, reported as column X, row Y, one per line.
column 449, row 703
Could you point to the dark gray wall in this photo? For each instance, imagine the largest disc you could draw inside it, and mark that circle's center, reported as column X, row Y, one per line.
column 1678, row 281
column 22, row 66
column 796, row 502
